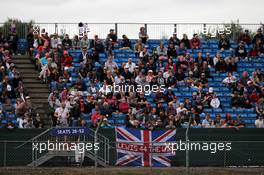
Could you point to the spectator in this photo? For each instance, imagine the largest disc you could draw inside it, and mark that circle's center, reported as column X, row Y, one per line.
column 44, row 62
column 186, row 41
column 195, row 42
column 8, row 107
column 131, row 66
column 138, row 48
column 85, row 42
column 224, row 43
column 171, row 51
column 244, row 37
column 230, row 80
column 259, row 123
column 260, row 107
column 221, row 66
column 170, row 65
column 97, row 44
column 123, row 106
column 241, row 51
column 143, row 36
column 38, row 122
column 207, row 122
column 110, row 64
column 66, row 60
column 231, row 63
column 258, row 36
column 125, row 42
column 162, row 52
column 112, row 35
column 181, row 51
column 66, row 42
column 174, row 40
column 76, row 43
column 55, row 41
column 62, row 114
column 12, row 40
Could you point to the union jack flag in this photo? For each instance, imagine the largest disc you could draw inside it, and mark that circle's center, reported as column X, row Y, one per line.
column 143, row 147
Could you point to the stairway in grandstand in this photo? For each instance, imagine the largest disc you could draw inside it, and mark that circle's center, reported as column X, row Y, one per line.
column 50, row 157
column 38, row 92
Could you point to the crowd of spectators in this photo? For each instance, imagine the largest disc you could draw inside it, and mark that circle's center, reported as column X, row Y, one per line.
column 15, row 105
column 163, row 68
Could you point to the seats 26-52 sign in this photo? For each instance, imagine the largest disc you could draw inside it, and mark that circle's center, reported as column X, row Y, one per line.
column 69, row 131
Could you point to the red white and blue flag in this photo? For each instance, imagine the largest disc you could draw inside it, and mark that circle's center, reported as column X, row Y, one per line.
column 143, row 147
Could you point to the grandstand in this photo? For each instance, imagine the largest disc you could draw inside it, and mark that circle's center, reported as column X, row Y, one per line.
column 64, row 83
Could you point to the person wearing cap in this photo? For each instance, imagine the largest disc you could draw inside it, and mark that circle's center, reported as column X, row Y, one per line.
column 149, row 76
column 126, row 73
column 174, row 40
column 66, row 59
column 258, row 36
column 209, row 96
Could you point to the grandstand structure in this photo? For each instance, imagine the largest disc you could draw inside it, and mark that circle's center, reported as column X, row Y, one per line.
column 158, row 33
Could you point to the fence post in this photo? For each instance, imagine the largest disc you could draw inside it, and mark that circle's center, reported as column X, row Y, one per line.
column 204, row 29
column 146, row 28
column 116, row 29
column 225, row 156
column 5, row 153
column 56, row 28
column 175, row 28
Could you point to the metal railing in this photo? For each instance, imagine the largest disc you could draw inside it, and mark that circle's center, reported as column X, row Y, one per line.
column 35, row 157
column 154, row 30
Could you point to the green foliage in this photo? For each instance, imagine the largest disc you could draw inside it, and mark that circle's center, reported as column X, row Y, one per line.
column 21, row 27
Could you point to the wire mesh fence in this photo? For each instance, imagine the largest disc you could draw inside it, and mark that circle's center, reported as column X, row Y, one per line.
column 154, row 30
column 201, row 153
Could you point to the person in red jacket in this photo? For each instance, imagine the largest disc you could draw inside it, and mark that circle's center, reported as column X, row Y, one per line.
column 66, row 59
column 195, row 42
column 123, row 106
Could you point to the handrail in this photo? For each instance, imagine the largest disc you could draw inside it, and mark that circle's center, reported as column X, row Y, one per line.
column 30, row 140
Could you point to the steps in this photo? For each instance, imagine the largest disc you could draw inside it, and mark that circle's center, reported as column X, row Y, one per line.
column 37, row 90
column 46, row 156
